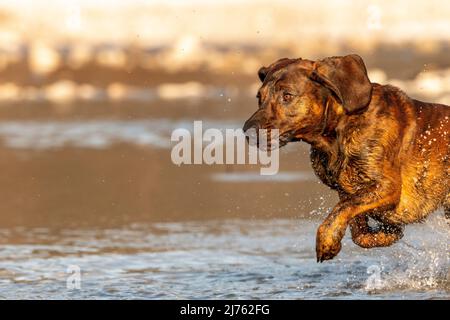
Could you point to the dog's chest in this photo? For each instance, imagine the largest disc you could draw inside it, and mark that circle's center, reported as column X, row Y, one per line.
column 339, row 171
column 327, row 167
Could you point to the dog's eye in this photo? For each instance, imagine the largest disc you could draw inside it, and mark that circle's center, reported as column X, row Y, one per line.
column 287, row 97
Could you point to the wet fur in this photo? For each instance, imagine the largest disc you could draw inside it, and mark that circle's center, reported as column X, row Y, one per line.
column 388, row 160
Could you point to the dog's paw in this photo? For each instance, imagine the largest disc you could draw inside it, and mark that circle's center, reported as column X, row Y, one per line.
column 327, row 245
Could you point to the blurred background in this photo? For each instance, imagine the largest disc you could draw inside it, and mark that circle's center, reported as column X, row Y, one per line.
column 90, row 91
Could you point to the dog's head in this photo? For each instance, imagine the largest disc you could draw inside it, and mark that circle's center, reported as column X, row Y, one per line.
column 296, row 94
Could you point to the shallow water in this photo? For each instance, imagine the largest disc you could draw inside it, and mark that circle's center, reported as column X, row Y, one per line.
column 92, row 195
column 242, row 259
column 97, row 134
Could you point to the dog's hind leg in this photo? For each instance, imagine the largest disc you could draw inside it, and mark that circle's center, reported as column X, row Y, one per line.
column 365, row 236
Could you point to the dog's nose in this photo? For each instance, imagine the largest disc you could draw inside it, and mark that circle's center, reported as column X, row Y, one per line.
column 253, row 124
column 250, row 124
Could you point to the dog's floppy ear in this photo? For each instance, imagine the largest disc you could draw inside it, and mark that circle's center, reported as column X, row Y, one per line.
column 263, row 72
column 347, row 78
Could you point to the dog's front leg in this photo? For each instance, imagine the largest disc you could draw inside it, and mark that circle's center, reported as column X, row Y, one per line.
column 332, row 230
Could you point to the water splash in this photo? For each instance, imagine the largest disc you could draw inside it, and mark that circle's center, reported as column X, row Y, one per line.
column 420, row 261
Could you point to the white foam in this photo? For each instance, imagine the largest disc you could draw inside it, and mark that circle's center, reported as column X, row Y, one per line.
column 96, row 134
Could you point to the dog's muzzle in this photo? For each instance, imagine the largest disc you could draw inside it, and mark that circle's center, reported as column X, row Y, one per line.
column 251, row 129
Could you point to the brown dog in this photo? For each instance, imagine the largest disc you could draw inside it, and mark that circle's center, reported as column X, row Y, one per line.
column 386, row 155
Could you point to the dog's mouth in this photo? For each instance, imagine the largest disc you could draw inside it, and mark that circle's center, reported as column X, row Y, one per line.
column 273, row 141
column 285, row 138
